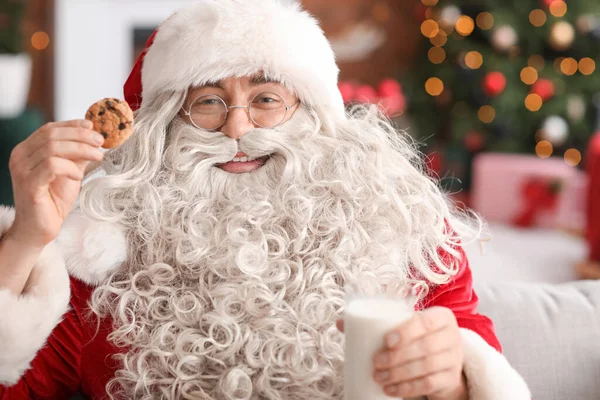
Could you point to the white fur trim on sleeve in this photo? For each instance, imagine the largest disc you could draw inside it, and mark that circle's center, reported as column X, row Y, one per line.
column 28, row 320
column 92, row 249
column 489, row 375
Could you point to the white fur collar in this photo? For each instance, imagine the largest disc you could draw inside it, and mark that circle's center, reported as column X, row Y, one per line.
column 92, row 249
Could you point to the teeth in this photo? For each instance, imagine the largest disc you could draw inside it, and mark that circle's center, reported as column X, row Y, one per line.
column 243, row 159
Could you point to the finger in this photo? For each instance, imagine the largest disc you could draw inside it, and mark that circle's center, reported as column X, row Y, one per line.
column 436, row 342
column 424, row 386
column 62, row 133
column 65, row 149
column 75, row 123
column 421, row 324
column 54, row 167
column 340, row 325
column 419, row 368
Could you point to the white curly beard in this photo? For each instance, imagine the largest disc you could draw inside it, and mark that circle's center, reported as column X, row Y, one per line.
column 234, row 282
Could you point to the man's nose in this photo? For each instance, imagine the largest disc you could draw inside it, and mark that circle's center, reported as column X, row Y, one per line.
column 238, row 123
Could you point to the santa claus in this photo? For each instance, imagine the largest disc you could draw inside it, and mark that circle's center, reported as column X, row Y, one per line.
column 209, row 261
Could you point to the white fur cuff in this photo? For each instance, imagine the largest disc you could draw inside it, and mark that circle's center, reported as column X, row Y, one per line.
column 28, row 320
column 489, row 375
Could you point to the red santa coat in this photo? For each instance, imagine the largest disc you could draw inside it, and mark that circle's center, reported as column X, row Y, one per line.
column 77, row 354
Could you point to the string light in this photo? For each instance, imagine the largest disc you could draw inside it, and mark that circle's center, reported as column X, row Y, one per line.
column 529, row 75
column 429, row 3
column 465, row 25
column 429, row 28
column 436, row 55
column 536, row 61
column 485, row 21
column 572, row 157
column 537, row 17
column 568, row 66
column 40, row 40
column 486, row 114
column 544, row 149
column 533, row 102
column 440, row 39
column 587, row 66
column 558, row 8
column 434, row 86
column 473, row 59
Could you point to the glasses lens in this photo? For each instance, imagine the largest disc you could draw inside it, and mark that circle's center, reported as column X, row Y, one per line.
column 208, row 112
column 268, row 110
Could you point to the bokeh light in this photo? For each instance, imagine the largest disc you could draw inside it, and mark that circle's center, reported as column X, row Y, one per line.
column 429, row 28
column 436, row 55
column 544, row 149
column 533, row 102
column 537, row 17
column 587, row 66
column 536, row 61
column 568, row 66
column 465, row 25
column 440, row 39
column 558, row 8
column 40, row 40
column 486, row 114
column 485, row 21
column 529, row 75
column 434, row 86
column 572, row 157
column 473, row 60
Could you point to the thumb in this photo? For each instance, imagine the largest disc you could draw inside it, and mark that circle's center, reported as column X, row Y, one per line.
column 340, row 325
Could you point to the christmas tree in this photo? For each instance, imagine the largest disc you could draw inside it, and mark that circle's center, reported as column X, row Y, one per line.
column 11, row 15
column 509, row 76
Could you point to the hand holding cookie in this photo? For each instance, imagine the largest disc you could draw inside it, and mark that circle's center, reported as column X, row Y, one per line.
column 46, row 170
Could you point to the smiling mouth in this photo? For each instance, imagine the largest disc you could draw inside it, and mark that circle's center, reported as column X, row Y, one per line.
column 243, row 163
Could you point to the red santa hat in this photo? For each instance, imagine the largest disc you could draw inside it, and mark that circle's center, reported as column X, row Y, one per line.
column 218, row 39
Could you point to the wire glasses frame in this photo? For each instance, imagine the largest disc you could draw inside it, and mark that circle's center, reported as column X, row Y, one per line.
column 219, row 109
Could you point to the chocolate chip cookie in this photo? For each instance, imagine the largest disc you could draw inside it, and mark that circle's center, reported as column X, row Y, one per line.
column 113, row 119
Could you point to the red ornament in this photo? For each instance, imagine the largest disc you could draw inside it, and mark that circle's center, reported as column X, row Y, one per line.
column 494, row 83
column 348, row 91
column 393, row 105
column 544, row 88
column 474, row 141
column 389, row 88
column 366, row 94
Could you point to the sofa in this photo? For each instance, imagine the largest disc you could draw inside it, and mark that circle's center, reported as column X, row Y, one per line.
column 550, row 333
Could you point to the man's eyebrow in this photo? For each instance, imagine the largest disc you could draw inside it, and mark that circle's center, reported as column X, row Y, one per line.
column 261, row 80
column 214, row 84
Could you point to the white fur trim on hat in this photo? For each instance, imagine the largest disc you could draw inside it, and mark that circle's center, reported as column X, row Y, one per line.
column 92, row 249
column 489, row 375
column 28, row 319
column 218, row 39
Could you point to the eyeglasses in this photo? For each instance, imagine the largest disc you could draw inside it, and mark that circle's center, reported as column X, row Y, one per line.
column 266, row 110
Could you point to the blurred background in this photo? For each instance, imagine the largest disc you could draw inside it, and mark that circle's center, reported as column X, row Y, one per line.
column 502, row 96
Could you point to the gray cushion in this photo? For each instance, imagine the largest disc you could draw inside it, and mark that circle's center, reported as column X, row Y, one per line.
column 550, row 334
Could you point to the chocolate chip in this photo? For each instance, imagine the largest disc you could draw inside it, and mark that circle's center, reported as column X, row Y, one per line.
column 102, row 112
column 104, row 134
column 121, row 126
